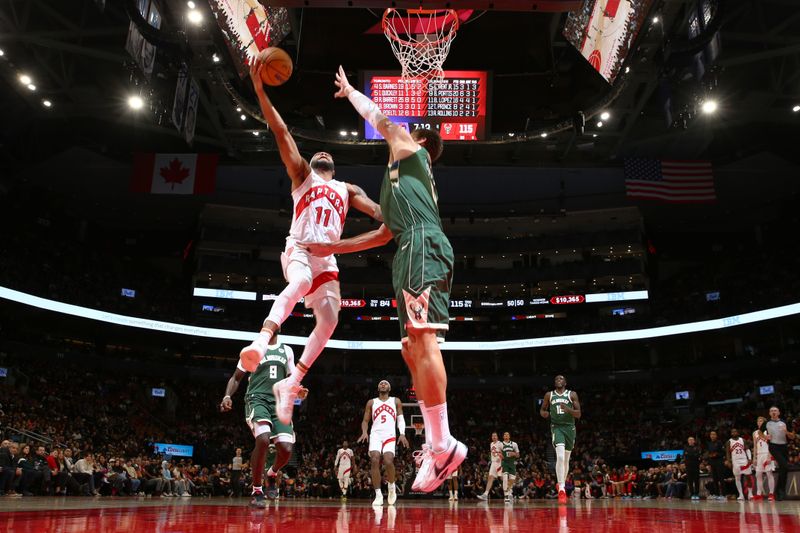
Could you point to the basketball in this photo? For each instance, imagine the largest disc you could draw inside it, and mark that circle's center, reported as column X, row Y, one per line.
column 276, row 67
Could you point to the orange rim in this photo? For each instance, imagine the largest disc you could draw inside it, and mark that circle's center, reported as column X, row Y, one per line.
column 448, row 13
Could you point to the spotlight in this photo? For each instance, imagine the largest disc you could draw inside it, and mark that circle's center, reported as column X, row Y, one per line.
column 605, row 115
column 599, row 123
column 2, row 53
column 32, row 87
column 24, row 79
column 256, row 134
column 191, row 4
column 47, row 103
column 238, row 109
column 343, row 133
column 135, row 102
column 709, row 106
column 543, row 135
column 194, row 16
column 215, row 58
column 627, row 70
column 510, row 133
column 796, row 108
column 656, row 20
column 353, row 133
column 594, row 135
column 243, row 117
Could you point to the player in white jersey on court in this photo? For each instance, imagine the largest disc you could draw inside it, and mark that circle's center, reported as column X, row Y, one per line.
column 320, row 208
column 764, row 463
column 386, row 413
column 495, row 467
column 739, row 457
column 344, row 467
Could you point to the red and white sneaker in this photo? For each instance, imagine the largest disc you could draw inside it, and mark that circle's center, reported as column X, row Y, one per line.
column 285, row 394
column 436, row 467
column 562, row 496
column 758, row 498
column 251, row 355
column 771, row 497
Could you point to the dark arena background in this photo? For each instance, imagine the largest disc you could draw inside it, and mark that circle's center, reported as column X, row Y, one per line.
column 619, row 184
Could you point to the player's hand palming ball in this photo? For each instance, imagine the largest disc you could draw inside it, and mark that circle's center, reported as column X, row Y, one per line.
column 275, row 66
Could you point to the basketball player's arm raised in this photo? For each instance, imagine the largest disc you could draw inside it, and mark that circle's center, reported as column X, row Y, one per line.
column 230, row 389
column 545, row 409
column 365, row 422
column 365, row 241
column 400, row 141
column 296, row 166
column 362, row 202
column 575, row 410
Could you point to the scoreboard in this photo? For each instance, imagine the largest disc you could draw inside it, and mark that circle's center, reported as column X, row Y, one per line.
column 456, row 106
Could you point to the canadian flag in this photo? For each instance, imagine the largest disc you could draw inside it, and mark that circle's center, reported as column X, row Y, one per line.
column 174, row 173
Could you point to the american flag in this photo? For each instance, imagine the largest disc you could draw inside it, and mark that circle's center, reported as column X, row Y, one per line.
column 670, row 181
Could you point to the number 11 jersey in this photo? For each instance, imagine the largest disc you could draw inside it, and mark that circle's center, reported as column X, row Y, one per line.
column 320, row 208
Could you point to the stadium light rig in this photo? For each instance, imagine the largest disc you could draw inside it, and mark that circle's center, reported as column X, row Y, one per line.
column 796, row 108
column 24, row 79
column 135, row 102
column 605, row 115
column 194, row 16
column 709, row 107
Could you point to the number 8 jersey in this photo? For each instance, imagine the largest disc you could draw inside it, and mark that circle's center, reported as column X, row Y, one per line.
column 320, row 208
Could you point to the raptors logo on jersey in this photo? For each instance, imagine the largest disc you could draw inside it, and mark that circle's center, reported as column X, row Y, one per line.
column 384, row 415
column 320, row 208
column 738, row 451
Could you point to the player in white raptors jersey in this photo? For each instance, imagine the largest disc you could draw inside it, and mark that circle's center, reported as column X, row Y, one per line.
column 739, row 457
column 320, row 207
column 495, row 469
column 344, row 467
column 763, row 462
column 385, row 412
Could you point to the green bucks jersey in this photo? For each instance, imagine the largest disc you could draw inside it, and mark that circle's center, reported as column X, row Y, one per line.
column 408, row 195
column 274, row 366
column 507, row 449
column 558, row 416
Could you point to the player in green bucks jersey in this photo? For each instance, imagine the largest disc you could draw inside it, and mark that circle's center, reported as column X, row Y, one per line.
column 510, row 452
column 422, row 274
column 260, row 414
column 562, row 407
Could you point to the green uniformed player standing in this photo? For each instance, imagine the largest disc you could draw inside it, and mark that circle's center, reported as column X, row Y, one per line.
column 259, row 410
column 422, row 274
column 562, row 407
column 509, row 465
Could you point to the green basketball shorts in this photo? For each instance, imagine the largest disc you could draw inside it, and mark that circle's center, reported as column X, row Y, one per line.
column 260, row 409
column 422, row 275
column 563, row 435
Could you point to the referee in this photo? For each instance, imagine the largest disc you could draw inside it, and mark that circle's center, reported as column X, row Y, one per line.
column 778, row 448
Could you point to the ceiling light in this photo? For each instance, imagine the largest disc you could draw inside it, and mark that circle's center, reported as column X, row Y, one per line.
column 605, row 115
column 191, row 4
column 599, row 123
column 353, row 133
column 255, row 133
column 135, row 102
column 343, row 133
column 2, row 53
column 594, row 135
column 510, row 133
column 655, row 20
column 238, row 109
column 215, row 58
column 709, row 106
column 47, row 103
column 32, row 87
column 543, row 135
column 243, row 117
column 627, row 70
column 194, row 16
column 795, row 108
column 24, row 79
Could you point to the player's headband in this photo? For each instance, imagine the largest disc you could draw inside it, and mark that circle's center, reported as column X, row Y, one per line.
column 384, row 381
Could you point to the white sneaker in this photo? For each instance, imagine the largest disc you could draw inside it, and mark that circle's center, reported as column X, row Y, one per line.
column 483, row 497
column 436, row 467
column 392, row 497
column 251, row 355
column 740, row 498
column 455, row 496
column 451, row 498
column 285, row 394
column 378, row 501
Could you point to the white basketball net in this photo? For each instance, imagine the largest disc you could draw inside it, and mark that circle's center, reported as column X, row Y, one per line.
column 420, row 40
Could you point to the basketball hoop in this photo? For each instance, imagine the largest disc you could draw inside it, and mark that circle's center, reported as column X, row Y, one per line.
column 420, row 40
column 418, row 427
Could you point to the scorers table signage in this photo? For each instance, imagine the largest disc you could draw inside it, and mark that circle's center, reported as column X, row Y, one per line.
column 455, row 105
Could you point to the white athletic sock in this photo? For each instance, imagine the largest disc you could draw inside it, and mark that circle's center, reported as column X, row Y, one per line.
column 439, row 426
column 759, row 484
column 427, row 429
column 378, row 492
column 771, row 481
column 560, row 470
column 566, row 465
column 738, row 479
column 391, row 486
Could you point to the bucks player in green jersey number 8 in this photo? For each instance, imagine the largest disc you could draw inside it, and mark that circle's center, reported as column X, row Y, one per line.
column 422, row 274
column 562, row 407
column 260, row 414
